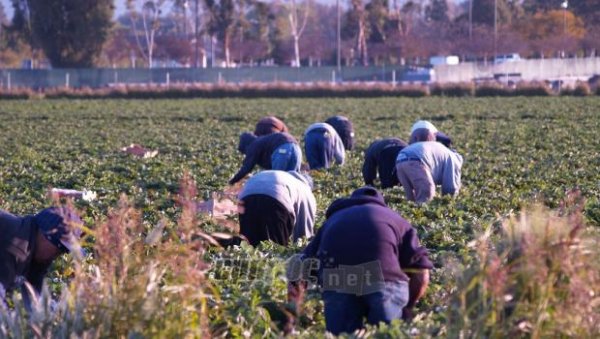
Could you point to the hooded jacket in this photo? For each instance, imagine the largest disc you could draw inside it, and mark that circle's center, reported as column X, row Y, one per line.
column 17, row 246
column 292, row 190
column 361, row 229
column 345, row 130
column 259, row 151
column 338, row 151
column 376, row 158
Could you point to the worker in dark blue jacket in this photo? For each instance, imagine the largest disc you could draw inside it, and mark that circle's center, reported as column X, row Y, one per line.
column 370, row 263
column 277, row 151
column 380, row 158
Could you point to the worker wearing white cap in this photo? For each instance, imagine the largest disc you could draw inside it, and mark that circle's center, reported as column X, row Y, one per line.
column 426, row 163
column 423, row 124
column 439, row 136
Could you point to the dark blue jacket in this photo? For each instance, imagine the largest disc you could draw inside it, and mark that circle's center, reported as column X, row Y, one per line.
column 381, row 155
column 259, row 152
column 362, row 229
column 17, row 246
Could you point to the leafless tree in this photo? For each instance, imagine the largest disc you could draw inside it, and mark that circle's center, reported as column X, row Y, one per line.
column 149, row 14
column 298, row 18
column 361, row 37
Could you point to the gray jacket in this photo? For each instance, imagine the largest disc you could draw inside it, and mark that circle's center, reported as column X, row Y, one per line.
column 445, row 165
column 293, row 191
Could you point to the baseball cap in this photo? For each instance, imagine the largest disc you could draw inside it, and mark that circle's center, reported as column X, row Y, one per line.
column 423, row 124
column 60, row 226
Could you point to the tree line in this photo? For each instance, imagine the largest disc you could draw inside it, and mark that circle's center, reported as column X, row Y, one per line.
column 201, row 33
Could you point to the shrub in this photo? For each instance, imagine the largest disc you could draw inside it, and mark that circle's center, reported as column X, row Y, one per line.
column 462, row 89
column 539, row 279
column 232, row 90
column 412, row 91
column 581, row 89
column 493, row 90
column 531, row 89
column 16, row 94
column 73, row 93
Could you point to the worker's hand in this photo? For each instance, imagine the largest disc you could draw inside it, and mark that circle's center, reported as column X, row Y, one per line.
column 240, row 207
column 296, row 291
column 407, row 314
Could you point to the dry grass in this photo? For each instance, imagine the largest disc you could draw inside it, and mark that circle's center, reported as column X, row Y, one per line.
column 133, row 284
column 541, row 278
column 293, row 90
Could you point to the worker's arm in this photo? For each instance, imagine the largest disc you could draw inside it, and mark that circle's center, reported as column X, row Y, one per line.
column 369, row 169
column 339, row 152
column 451, row 180
column 415, row 263
column 247, row 165
column 417, row 285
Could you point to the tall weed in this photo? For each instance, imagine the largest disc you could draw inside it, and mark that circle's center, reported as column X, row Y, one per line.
column 541, row 278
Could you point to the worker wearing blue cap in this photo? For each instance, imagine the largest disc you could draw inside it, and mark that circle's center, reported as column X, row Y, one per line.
column 29, row 245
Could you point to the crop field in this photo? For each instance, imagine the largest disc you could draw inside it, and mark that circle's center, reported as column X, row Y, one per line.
column 517, row 152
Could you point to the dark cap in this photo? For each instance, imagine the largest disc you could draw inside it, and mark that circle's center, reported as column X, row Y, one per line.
column 268, row 125
column 368, row 191
column 60, row 225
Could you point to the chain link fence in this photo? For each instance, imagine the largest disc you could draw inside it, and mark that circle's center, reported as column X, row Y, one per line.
column 103, row 77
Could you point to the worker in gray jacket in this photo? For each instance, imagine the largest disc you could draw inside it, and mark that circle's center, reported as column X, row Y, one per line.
column 426, row 163
column 276, row 205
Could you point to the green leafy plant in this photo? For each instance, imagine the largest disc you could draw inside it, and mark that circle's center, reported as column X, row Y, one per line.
column 516, row 151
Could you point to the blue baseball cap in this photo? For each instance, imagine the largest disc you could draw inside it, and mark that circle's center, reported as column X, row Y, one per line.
column 60, row 226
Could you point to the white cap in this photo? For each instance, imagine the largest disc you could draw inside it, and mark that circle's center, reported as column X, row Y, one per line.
column 423, row 124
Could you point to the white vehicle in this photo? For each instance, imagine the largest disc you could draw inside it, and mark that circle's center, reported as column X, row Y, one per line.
column 502, row 58
column 444, row 60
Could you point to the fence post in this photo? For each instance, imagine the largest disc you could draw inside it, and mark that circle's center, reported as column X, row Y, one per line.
column 219, row 78
column 333, row 77
column 168, row 79
column 394, row 78
column 8, row 84
column 67, row 80
column 116, row 76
